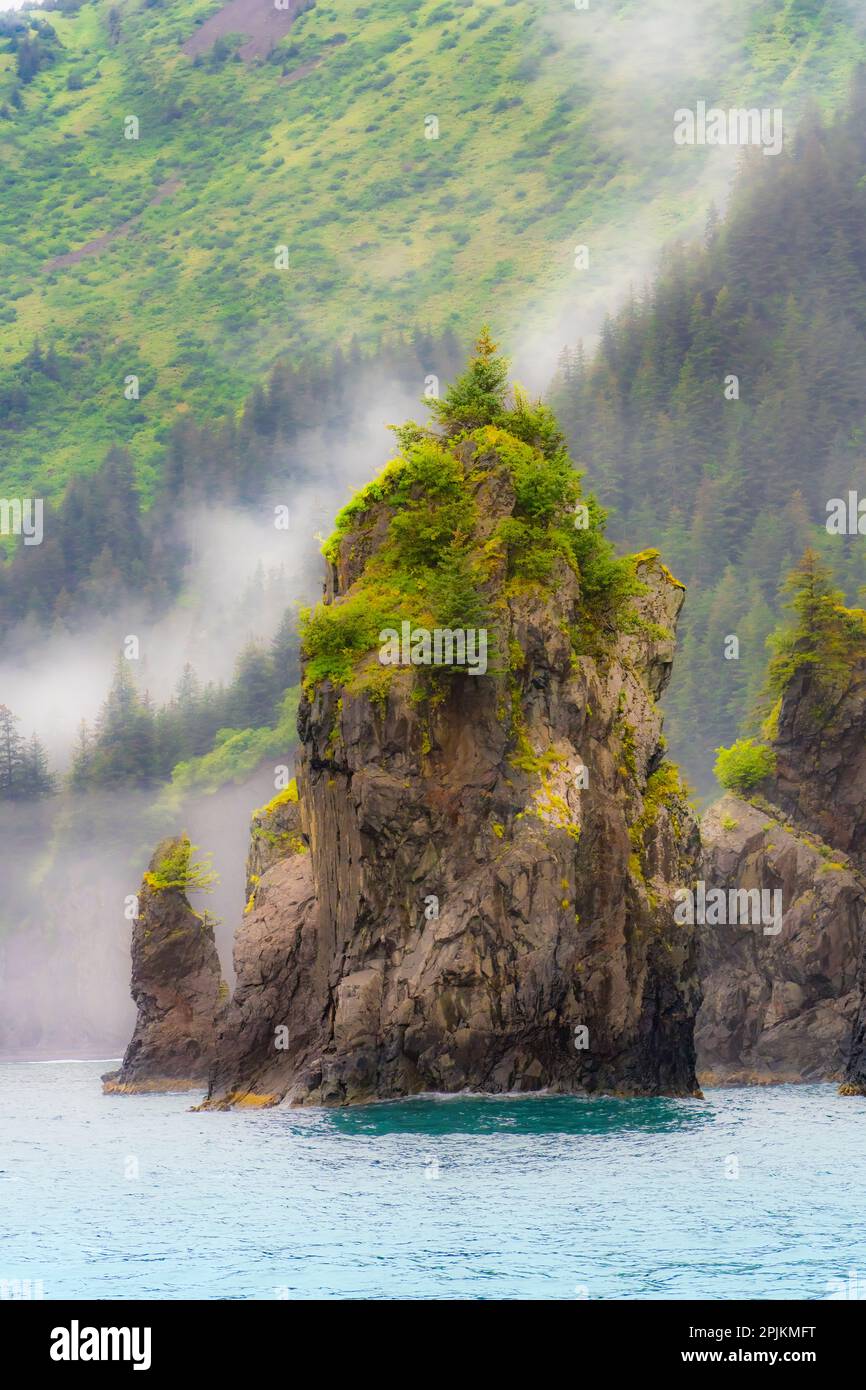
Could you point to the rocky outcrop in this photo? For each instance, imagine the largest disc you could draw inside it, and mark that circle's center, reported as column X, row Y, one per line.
column 820, row 748
column 778, row 1006
column 176, row 984
column 274, row 834
column 788, row 1007
column 854, row 1083
column 474, row 889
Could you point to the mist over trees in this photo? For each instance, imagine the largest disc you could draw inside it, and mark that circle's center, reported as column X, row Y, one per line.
column 726, row 406
column 108, row 539
column 134, row 744
column 24, row 771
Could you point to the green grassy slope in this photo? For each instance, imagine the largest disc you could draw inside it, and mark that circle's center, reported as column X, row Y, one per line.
column 539, row 146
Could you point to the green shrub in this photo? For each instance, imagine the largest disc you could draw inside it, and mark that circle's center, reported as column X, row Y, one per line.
column 742, row 766
column 335, row 635
column 430, row 565
column 178, row 869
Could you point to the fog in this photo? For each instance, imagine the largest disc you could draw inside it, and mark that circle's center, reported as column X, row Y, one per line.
column 243, row 573
column 68, row 863
column 646, row 62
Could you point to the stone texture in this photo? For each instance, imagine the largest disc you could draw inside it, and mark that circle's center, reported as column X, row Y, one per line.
column 820, row 778
column 274, row 833
column 178, row 992
column 792, row 1007
column 778, row 1007
column 352, row 986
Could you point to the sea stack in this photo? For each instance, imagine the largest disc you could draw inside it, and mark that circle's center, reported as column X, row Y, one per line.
column 176, row 982
column 470, row 887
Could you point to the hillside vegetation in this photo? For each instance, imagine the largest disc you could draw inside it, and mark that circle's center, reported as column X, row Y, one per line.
column 155, row 257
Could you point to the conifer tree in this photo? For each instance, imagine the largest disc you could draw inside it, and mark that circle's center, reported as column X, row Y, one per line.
column 252, row 697
column 824, row 635
column 478, row 396
column 285, row 653
column 39, row 780
column 123, row 751
column 80, row 769
column 12, row 758
column 24, row 770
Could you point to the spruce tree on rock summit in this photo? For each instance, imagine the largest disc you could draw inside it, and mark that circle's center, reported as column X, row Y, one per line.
column 825, row 633
column 478, row 395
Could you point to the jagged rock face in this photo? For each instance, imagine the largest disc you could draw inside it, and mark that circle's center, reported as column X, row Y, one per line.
column 274, row 834
column 790, row 1008
column 177, row 988
column 855, row 1073
column 821, row 762
column 462, row 907
column 778, row 1007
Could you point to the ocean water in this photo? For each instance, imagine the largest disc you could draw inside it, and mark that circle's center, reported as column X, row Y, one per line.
column 536, row 1197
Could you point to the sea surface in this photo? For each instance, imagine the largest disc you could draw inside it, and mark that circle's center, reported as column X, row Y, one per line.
column 751, row 1193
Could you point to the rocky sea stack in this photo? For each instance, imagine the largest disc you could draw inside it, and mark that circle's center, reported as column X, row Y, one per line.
column 473, row 889
column 470, row 885
column 176, row 981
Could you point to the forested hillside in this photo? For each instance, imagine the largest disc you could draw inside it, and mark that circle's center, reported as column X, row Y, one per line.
column 184, row 206
column 104, row 542
column 731, row 479
column 159, row 355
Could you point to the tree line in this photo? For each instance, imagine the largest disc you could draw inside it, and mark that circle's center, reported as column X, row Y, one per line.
column 726, row 405
column 103, row 542
column 24, row 771
column 134, row 743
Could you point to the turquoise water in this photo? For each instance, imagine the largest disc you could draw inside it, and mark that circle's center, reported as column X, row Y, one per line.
column 546, row 1197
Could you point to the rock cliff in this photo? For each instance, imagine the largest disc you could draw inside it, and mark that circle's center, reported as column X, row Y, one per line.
column 477, row 893
column 788, row 1007
column 820, row 777
column 778, row 1007
column 455, row 906
column 470, row 887
column 176, row 982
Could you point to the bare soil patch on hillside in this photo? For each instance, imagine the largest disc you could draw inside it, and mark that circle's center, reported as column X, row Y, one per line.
column 259, row 21
column 99, row 243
